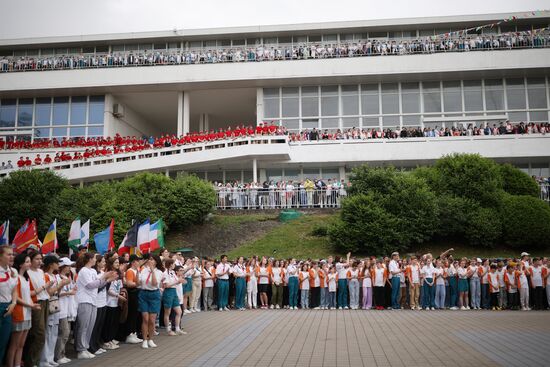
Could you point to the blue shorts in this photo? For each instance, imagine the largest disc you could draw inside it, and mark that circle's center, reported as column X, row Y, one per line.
column 170, row 298
column 149, row 301
column 188, row 287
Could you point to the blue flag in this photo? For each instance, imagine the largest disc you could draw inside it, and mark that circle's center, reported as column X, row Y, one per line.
column 104, row 239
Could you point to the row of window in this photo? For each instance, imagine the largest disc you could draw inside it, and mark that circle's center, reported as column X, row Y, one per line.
column 462, row 97
column 51, row 111
column 343, row 37
column 274, row 174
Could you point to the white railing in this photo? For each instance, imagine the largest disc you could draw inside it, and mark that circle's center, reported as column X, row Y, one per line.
column 545, row 192
column 302, row 51
column 155, row 153
column 271, row 198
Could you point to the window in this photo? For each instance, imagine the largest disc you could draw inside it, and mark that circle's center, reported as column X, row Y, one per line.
column 60, row 111
column 95, row 130
column 59, row 132
column 78, row 111
column 7, row 113
column 452, row 97
column 238, row 42
column 329, row 101
column 515, row 94
column 350, row 100
column 225, row 43
column 370, row 122
column 310, row 101
column 96, row 109
column 536, row 91
column 432, row 97
column 159, row 46
column 390, row 121
column 410, row 97
column 274, row 174
column 370, row 105
column 310, row 123
column 330, row 123
column 292, row 124
column 331, row 37
column 43, row 111
column 473, row 99
column 25, row 112
column 390, row 98
column 290, row 102
column 42, row 133
column 494, row 95
column 315, row 38
column 77, row 131
column 271, row 102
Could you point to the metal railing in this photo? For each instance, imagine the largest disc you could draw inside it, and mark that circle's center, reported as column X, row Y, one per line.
column 545, row 192
column 259, row 198
column 304, row 51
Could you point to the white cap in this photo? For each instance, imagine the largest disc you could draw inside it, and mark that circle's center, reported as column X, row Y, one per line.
column 479, row 260
column 65, row 261
column 524, row 254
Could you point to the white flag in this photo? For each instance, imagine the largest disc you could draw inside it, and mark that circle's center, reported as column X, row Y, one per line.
column 85, row 234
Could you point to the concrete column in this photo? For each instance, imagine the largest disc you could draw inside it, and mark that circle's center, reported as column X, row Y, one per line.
column 167, row 173
column 108, row 118
column 183, row 113
column 81, row 183
column 342, row 171
column 255, row 170
column 259, row 105
column 201, row 122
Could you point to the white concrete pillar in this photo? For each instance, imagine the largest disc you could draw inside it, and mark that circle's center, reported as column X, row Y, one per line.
column 259, row 105
column 183, row 113
column 167, row 173
column 108, row 118
column 342, row 172
column 81, row 183
column 255, row 170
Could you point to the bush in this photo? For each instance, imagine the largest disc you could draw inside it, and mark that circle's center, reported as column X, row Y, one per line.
column 29, row 194
column 319, row 230
column 454, row 215
column 469, row 176
column 526, row 222
column 483, row 228
column 191, row 201
column 517, row 182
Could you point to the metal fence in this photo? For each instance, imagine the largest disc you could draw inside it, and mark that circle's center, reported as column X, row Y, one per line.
column 236, row 198
column 545, row 192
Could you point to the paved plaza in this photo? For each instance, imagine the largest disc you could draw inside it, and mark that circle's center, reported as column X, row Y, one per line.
column 347, row 338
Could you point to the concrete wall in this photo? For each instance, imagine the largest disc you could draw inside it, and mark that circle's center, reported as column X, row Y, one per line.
column 131, row 124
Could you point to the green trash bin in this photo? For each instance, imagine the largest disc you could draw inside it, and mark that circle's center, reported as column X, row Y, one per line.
column 288, row 215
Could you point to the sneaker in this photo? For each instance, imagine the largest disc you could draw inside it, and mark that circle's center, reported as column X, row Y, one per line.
column 156, row 333
column 221, row 309
column 193, row 310
column 339, row 308
column 133, row 339
column 53, row 363
column 346, row 308
column 198, row 310
column 114, row 341
column 99, row 351
column 172, row 333
column 433, row 309
column 85, row 355
column 226, row 308
column 277, row 307
column 181, row 332
column 63, row 360
column 186, row 311
column 145, row 345
column 463, row 308
column 151, row 344
column 272, row 307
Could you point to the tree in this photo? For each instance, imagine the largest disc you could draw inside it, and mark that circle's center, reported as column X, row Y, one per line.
column 517, row 182
column 526, row 222
column 192, row 199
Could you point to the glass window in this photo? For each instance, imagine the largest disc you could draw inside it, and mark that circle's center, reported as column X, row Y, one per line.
column 102, row 49
column 43, row 133
column 118, row 48
column 329, row 90
column 390, row 121
column 60, row 111
column 538, row 116
column 43, row 111
column 410, row 101
column 350, row 122
column 370, row 104
column 452, row 97
column 96, row 109
column 311, row 173
column 329, row 106
column 332, row 123
column 432, row 97
column 159, row 46
column 271, row 92
column 494, row 99
column 315, row 38
column 290, row 92
column 310, row 123
column 310, row 91
column 292, row 174
column 516, row 98
column 145, row 46
column 271, row 107
column 270, row 41
column 274, row 174
column 58, row 132
column 77, row 131
column 291, row 124
column 290, row 107
column 517, row 116
column 330, row 173
column 78, row 111
column 390, row 98
column 310, row 106
column 24, row 114
column 299, row 39
column 7, row 113
column 238, row 42
column 411, row 120
column 350, row 100
column 536, row 92
column 371, row 122
column 95, row 130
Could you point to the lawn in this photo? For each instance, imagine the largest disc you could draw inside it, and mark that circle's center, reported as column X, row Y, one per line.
column 291, row 239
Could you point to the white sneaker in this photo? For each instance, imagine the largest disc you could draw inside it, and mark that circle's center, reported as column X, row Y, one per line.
column 277, row 307
column 99, row 351
column 114, row 341
column 226, row 309
column 85, row 355
column 172, row 333
column 346, row 308
column 151, row 344
column 198, row 310
column 53, row 363
column 133, row 339
column 63, row 360
column 433, row 309
column 271, row 307
column 186, row 311
column 181, row 332
column 221, row 309
column 193, row 310
column 463, row 308
column 144, row 345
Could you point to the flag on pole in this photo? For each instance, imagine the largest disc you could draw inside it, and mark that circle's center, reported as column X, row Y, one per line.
column 74, row 236
column 26, row 237
column 143, row 237
column 156, row 235
column 85, row 234
column 104, row 239
column 130, row 240
column 50, row 241
column 5, row 233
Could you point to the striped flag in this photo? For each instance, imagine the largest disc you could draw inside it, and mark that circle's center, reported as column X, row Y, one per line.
column 156, row 235
column 50, row 241
column 143, row 237
column 85, row 234
column 130, row 239
column 74, row 235
column 5, row 233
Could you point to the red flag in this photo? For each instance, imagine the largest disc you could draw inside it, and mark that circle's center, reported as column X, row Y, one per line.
column 26, row 237
column 111, row 234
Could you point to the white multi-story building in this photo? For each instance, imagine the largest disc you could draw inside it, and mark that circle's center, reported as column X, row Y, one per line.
column 365, row 74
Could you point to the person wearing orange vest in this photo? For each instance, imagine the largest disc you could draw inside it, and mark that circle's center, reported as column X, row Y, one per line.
column 511, row 281
column 493, row 280
column 538, row 275
column 314, row 285
column 413, row 275
column 379, row 276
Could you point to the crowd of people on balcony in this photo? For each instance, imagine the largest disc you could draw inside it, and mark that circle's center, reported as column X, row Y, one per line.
column 77, row 149
column 267, row 52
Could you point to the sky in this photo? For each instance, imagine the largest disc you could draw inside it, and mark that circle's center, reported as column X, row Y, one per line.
column 39, row 18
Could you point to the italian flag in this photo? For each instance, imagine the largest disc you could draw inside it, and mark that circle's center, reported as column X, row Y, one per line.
column 74, row 235
column 156, row 236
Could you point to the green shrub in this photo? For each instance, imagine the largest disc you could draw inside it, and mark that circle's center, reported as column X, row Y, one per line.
column 525, row 221
column 483, row 228
column 517, row 182
column 454, row 215
column 319, row 230
column 191, row 201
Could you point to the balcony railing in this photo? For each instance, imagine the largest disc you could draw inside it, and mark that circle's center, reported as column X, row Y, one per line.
column 303, row 51
column 545, row 192
column 275, row 198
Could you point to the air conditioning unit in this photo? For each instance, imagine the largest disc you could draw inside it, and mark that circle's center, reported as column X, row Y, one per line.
column 118, row 110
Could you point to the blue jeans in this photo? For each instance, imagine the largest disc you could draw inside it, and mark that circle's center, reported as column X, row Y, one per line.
column 428, row 294
column 240, row 292
column 440, row 296
column 354, row 293
column 342, row 293
column 475, row 292
column 5, row 330
column 323, row 297
column 453, row 290
column 485, row 296
column 304, row 298
column 395, row 284
column 293, row 291
column 223, row 292
column 332, row 299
